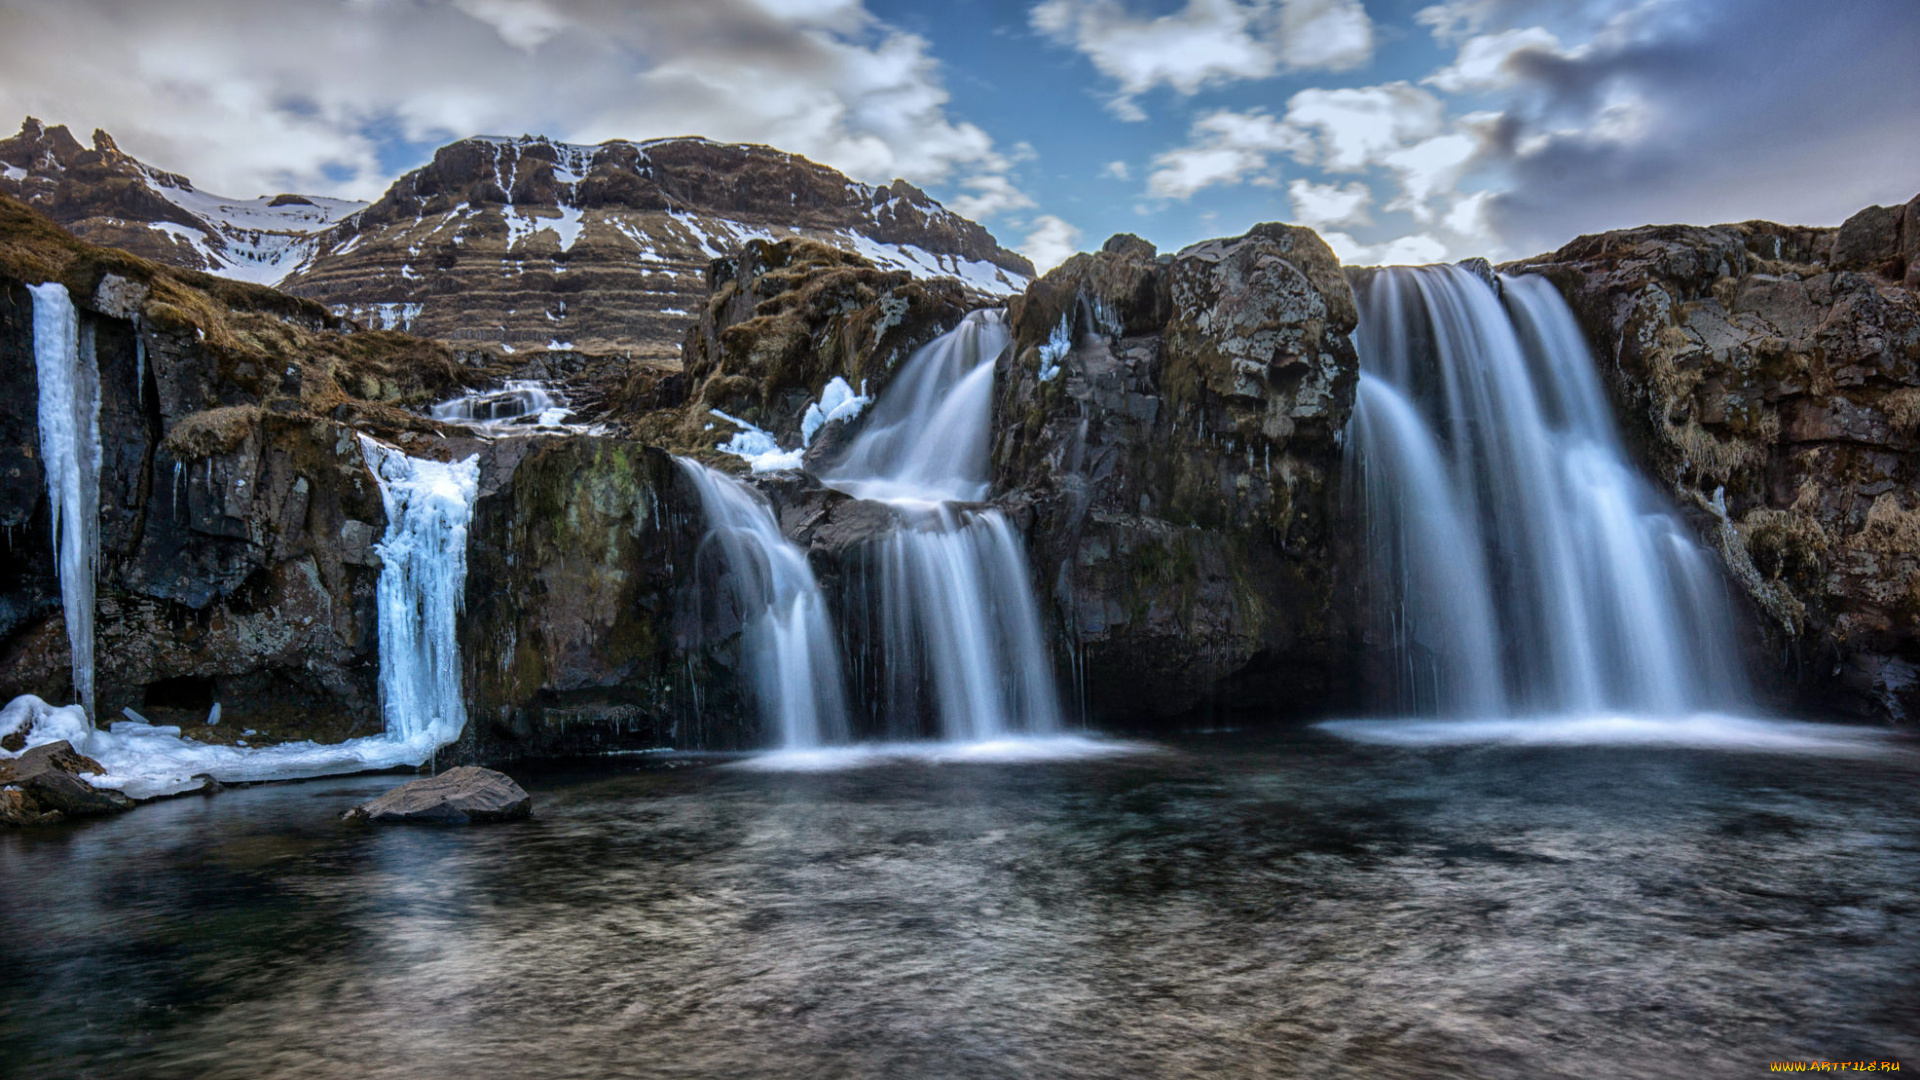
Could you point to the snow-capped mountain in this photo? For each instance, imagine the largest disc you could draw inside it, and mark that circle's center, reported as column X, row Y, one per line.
column 107, row 197
column 522, row 242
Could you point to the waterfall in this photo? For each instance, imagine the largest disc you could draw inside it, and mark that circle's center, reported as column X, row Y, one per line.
column 1519, row 563
column 69, row 410
column 422, row 591
column 788, row 641
column 522, row 406
column 957, row 611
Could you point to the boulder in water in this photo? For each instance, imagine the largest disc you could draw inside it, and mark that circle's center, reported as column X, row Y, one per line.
column 46, row 780
column 455, row 797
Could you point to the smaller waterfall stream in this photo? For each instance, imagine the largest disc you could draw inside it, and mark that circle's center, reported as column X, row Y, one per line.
column 69, row 418
column 521, row 407
column 957, row 611
column 794, row 669
column 421, row 592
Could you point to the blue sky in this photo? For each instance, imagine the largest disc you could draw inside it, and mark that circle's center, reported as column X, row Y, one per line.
column 1404, row 130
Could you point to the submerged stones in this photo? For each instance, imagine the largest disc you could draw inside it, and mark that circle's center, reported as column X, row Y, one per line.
column 466, row 795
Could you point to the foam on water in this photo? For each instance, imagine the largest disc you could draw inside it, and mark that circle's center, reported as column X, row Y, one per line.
column 986, row 751
column 1700, row 731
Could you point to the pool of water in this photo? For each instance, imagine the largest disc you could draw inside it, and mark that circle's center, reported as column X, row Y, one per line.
column 1284, row 904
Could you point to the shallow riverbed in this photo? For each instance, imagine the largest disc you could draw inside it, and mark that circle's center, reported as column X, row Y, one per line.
column 1224, row 905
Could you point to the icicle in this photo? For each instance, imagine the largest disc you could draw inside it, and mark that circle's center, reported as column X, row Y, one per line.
column 69, row 412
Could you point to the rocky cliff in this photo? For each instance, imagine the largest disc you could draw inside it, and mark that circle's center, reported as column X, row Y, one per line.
column 1171, row 425
column 239, row 523
column 1770, row 376
column 236, row 513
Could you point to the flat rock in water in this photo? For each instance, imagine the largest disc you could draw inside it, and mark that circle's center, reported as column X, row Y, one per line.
column 48, row 777
column 455, row 797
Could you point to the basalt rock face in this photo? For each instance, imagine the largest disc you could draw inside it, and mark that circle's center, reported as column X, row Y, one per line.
column 1171, row 425
column 531, row 243
column 237, row 515
column 586, row 629
column 1770, row 376
column 781, row 320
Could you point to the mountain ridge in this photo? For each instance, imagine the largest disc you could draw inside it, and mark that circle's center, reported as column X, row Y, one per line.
column 478, row 244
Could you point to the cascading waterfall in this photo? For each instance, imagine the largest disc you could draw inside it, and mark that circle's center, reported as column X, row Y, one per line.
column 522, row 406
column 69, row 411
column 1519, row 563
column 422, row 591
column 956, row 609
column 794, row 670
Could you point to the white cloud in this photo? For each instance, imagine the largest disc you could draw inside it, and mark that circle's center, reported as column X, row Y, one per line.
column 1428, row 169
column 1226, row 146
column 1318, row 206
column 1360, row 124
column 988, row 194
column 1051, row 242
column 1206, row 42
column 1335, row 35
column 1117, row 170
column 1413, row 249
column 523, row 24
column 1483, row 62
column 253, row 96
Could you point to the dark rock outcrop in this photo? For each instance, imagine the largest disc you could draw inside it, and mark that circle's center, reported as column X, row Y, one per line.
column 44, row 784
column 1770, row 376
column 1171, row 426
column 459, row 796
column 782, row 320
column 585, row 628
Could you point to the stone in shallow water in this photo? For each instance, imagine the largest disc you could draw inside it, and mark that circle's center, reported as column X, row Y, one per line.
column 455, row 797
column 48, row 777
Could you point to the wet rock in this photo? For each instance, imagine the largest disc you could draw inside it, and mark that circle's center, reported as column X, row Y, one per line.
column 1170, row 426
column 18, row 808
column 585, row 628
column 468, row 794
column 48, row 776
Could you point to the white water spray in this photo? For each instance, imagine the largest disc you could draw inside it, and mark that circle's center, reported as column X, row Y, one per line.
column 794, row 670
column 521, row 407
column 69, row 409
